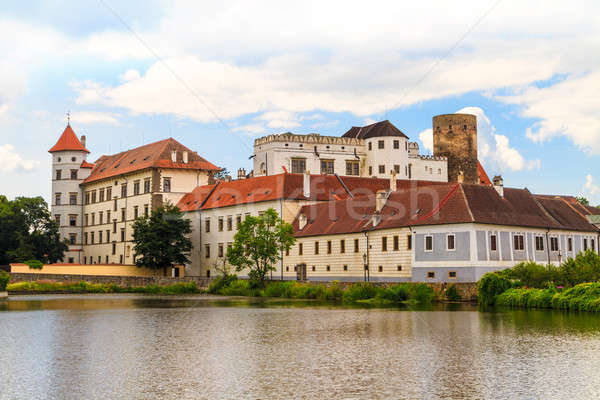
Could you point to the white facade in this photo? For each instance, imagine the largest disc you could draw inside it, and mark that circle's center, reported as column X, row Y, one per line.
column 374, row 157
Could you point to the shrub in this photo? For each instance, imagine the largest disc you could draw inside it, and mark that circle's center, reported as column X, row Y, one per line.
column 34, row 264
column 585, row 267
column 4, row 279
column 421, row 293
column 333, row 292
column 531, row 274
column 452, row 293
column 220, row 282
column 491, row 285
column 359, row 291
column 395, row 293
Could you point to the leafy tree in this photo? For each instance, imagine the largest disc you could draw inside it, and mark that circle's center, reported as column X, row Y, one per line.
column 583, row 200
column 28, row 232
column 160, row 240
column 258, row 244
column 222, row 174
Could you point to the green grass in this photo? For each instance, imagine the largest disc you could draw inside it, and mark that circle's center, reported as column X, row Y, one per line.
column 582, row 297
column 87, row 287
column 357, row 292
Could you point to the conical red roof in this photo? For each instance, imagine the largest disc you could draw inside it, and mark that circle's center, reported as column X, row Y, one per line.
column 68, row 141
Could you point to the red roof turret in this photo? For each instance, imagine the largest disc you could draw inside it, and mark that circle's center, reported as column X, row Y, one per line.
column 68, row 142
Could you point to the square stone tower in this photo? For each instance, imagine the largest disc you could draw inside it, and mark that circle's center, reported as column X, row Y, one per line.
column 455, row 137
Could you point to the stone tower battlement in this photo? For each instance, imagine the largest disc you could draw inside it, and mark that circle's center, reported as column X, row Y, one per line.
column 455, row 137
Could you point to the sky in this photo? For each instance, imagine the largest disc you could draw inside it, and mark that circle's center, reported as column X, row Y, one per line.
column 215, row 75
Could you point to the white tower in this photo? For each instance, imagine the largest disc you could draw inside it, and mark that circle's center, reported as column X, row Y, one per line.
column 69, row 169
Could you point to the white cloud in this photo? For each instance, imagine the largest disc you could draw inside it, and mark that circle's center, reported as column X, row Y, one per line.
column 95, row 117
column 369, row 121
column 279, row 119
column 590, row 187
column 426, row 137
column 129, row 75
column 11, row 161
column 569, row 108
column 250, row 129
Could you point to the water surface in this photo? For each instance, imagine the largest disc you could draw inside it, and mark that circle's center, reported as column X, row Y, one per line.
column 198, row 347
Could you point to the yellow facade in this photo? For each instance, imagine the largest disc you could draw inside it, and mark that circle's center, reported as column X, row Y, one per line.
column 77, row 269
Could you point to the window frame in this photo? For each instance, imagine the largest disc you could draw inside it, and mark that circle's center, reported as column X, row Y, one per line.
column 493, row 242
column 518, row 241
column 300, row 166
column 430, row 250
column 453, row 236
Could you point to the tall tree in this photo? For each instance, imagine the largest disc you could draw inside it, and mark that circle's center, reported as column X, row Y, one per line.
column 258, row 244
column 28, row 232
column 583, row 200
column 160, row 240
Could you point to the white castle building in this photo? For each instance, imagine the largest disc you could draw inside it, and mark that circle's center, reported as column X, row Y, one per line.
column 376, row 150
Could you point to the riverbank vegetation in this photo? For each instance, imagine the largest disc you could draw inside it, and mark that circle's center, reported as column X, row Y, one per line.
column 229, row 285
column 87, row 287
column 573, row 285
column 4, row 279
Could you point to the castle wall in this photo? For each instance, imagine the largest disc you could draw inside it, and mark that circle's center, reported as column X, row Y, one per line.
column 455, row 137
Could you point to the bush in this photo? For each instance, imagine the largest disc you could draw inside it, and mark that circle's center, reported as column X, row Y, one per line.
column 582, row 297
column 359, row 291
column 34, row 264
column 585, row 267
column 533, row 275
column 4, row 279
column 491, row 285
column 220, row 282
column 452, row 293
column 421, row 293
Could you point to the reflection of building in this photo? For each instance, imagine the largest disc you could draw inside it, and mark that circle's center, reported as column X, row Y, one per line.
column 95, row 204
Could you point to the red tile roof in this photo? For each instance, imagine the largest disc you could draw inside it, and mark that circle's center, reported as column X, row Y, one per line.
column 435, row 203
column 484, row 179
column 153, row 155
column 85, row 164
column 68, row 142
column 263, row 188
column 378, row 129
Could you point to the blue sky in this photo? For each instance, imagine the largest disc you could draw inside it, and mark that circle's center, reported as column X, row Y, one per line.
column 230, row 71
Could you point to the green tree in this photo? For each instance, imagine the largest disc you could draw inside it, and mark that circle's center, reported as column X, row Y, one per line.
column 160, row 240
column 28, row 232
column 222, row 174
column 258, row 244
column 583, row 200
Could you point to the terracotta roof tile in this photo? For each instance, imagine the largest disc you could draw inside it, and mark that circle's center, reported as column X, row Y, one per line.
column 85, row 164
column 153, row 155
column 68, row 142
column 484, row 179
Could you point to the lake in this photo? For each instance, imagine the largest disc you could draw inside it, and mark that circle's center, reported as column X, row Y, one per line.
column 202, row 347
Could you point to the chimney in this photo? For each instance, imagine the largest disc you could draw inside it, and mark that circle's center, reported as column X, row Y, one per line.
column 393, row 183
column 306, row 184
column 83, row 140
column 185, row 157
column 380, row 200
column 174, row 155
column 241, row 173
column 302, row 220
column 499, row 184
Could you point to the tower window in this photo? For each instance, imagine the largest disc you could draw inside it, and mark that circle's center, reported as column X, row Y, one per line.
column 73, row 174
column 166, row 185
column 380, row 144
column 382, row 169
column 58, row 174
column 396, row 144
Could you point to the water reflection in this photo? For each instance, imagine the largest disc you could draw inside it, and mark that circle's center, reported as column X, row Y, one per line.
column 131, row 346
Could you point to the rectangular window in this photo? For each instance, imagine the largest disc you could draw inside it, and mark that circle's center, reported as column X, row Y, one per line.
column 428, row 243
column 99, row 236
column 72, row 238
column 145, row 210
column 167, row 185
column 431, row 274
column 238, row 221
column 85, row 238
column 114, row 248
column 356, row 245
column 370, row 146
column 298, row 165
column 352, row 168
column 57, row 199
column 539, row 243
column 86, row 219
column 58, row 174
column 115, row 226
column 342, row 246
column 585, row 246
column 123, row 214
column 287, row 252
column 220, row 250
column 220, row 225
column 316, row 247
column 136, row 188
column 108, row 193
column 493, row 243
column 382, row 169
column 146, row 185
column 107, row 236
column 57, row 219
column 300, row 249
column 101, row 195
column 399, row 268
column 380, row 144
column 122, row 234
column 408, row 242
column 72, row 220
column 553, row 244
column 93, row 196
column 92, row 237
column 397, row 169
column 380, row 268
column 519, row 242
column 396, row 243
column 74, row 174
column 452, row 274
column 329, row 247
column 100, row 214
column 207, row 251
column 93, row 218
column 396, row 144
column 207, row 225
column 345, row 268
column 593, row 244
column 450, row 245
column 108, row 216
column 384, row 243
column 135, row 212
column 570, row 244
column 124, row 190
column 115, row 205
column 370, row 171
column 73, row 199
column 327, row 167
column 229, row 223
column 87, row 197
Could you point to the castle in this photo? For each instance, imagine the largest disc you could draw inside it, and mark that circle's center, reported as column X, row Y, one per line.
column 373, row 208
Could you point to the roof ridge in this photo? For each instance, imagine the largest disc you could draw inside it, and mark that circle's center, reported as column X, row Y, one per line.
column 536, row 201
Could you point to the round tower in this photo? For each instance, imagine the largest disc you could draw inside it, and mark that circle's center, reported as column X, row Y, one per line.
column 69, row 169
column 455, row 137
